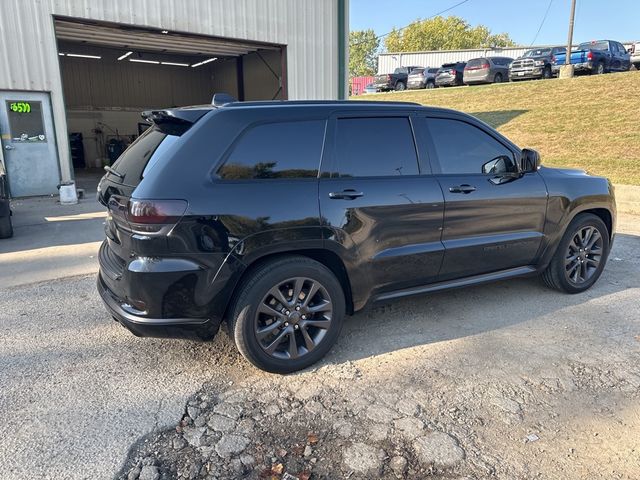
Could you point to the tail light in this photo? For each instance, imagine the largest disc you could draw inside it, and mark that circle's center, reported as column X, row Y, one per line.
column 590, row 55
column 154, row 216
column 452, row 72
column 388, row 78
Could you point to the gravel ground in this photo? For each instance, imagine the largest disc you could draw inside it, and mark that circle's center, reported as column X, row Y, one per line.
column 508, row 380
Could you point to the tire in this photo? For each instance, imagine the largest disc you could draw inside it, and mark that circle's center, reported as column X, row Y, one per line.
column 564, row 274
column 277, row 326
column 637, row 65
column 599, row 70
column 6, row 229
column 497, row 78
column 400, row 86
column 546, row 73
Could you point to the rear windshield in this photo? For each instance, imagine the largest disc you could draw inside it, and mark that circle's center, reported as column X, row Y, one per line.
column 594, row 46
column 538, row 52
column 448, row 65
column 476, row 62
column 141, row 156
column 417, row 70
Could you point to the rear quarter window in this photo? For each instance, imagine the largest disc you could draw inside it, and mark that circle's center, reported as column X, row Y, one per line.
column 141, row 156
column 276, row 150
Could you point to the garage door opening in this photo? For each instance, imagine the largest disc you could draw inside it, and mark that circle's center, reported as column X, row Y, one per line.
column 112, row 72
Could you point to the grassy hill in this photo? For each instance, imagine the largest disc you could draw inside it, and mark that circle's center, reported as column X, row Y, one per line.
column 589, row 122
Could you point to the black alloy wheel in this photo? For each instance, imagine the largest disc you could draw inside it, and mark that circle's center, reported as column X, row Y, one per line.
column 584, row 255
column 287, row 314
column 581, row 255
column 293, row 318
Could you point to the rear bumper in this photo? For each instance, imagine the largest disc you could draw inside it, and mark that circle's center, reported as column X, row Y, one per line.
column 577, row 67
column 167, row 296
column 446, row 82
column 198, row 328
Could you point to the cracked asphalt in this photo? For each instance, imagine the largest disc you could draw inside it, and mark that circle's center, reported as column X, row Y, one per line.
column 77, row 390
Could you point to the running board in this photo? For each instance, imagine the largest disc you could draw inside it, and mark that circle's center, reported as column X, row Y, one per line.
column 462, row 282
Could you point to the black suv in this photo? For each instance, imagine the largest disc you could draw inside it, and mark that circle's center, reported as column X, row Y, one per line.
column 282, row 217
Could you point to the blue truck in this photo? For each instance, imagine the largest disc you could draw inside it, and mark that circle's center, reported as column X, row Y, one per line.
column 596, row 57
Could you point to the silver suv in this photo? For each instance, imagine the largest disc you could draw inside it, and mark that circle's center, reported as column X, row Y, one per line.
column 422, row 78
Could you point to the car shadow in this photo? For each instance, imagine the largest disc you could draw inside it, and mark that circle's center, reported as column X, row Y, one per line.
column 455, row 314
column 498, row 118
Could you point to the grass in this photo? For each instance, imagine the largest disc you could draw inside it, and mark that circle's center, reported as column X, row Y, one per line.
column 588, row 122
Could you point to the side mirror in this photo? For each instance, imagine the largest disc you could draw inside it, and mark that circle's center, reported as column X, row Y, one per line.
column 529, row 160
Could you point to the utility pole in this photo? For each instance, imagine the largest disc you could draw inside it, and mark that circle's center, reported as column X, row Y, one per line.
column 567, row 70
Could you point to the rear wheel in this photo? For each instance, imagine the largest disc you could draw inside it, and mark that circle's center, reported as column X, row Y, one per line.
column 288, row 315
column 400, row 86
column 6, row 229
column 599, row 70
column 580, row 257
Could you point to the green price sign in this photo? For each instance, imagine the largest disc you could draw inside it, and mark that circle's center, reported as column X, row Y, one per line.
column 20, row 107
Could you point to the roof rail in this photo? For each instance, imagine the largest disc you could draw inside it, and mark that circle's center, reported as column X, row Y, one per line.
column 220, row 99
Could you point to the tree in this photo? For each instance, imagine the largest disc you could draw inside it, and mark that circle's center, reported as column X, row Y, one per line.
column 363, row 49
column 443, row 33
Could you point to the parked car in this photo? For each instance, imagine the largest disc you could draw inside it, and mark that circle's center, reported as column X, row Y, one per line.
column 291, row 215
column 422, row 78
column 597, row 57
column 394, row 81
column 450, row 74
column 486, row 70
column 6, row 229
column 535, row 63
column 634, row 52
column 370, row 88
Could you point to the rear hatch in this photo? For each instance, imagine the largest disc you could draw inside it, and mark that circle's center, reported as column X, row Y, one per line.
column 446, row 73
column 476, row 69
column 127, row 215
column 416, row 77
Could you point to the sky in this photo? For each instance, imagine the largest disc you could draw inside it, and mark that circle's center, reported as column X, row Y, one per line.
column 595, row 19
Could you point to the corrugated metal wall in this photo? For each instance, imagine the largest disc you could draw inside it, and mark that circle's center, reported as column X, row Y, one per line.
column 307, row 27
column 387, row 62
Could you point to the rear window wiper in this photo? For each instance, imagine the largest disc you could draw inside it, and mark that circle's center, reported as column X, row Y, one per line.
column 113, row 171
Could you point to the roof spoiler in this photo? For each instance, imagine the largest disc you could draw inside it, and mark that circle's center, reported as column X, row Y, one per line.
column 173, row 121
column 220, row 99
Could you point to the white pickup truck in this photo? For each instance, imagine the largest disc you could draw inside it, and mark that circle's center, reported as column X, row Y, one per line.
column 634, row 50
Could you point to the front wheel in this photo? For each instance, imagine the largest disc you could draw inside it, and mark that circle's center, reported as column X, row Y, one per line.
column 497, row 78
column 288, row 314
column 400, row 86
column 580, row 257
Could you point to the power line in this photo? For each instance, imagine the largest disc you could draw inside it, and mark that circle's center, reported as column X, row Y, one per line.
column 421, row 20
column 542, row 23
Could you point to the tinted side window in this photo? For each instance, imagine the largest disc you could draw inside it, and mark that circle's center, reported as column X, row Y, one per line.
column 375, row 147
column 276, row 150
column 463, row 148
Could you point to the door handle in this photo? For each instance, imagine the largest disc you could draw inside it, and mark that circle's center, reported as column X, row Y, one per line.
column 9, row 147
column 348, row 194
column 462, row 189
